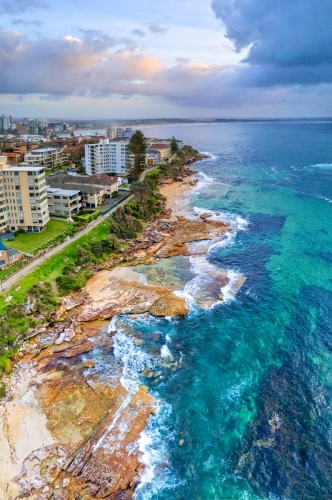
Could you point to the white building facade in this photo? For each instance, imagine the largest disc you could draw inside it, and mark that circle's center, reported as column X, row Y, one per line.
column 47, row 157
column 107, row 157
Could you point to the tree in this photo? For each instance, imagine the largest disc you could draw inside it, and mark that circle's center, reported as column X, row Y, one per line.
column 174, row 145
column 141, row 190
column 137, row 148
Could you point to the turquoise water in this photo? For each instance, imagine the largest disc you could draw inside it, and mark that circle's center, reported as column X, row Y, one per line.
column 245, row 400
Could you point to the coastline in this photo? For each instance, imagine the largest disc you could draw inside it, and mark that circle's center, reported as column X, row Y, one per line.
column 43, row 399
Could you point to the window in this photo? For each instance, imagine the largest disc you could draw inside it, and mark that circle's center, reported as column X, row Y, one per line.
column 32, row 195
column 32, row 202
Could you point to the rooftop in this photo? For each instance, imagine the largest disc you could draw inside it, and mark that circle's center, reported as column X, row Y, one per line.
column 86, row 180
column 159, row 146
column 61, row 191
column 16, row 168
column 76, row 187
column 43, row 150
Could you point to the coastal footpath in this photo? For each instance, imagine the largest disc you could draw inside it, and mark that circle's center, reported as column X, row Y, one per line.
column 67, row 430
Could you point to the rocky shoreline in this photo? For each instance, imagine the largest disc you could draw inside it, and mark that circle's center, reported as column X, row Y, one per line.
column 82, row 428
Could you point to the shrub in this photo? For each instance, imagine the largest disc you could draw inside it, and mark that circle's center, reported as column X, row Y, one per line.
column 3, row 392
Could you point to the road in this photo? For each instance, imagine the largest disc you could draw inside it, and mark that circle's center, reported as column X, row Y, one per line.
column 30, row 267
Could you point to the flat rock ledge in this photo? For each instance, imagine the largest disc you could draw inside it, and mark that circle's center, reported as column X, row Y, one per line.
column 106, row 296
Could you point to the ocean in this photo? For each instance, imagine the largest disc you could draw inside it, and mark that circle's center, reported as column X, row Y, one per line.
column 244, row 388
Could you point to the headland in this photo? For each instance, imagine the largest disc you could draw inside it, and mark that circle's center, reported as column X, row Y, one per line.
column 69, row 428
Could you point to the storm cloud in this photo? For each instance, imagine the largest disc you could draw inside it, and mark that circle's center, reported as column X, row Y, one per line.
column 288, row 41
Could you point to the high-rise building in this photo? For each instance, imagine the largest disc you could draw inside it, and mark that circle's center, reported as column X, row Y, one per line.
column 23, row 198
column 107, row 157
column 5, row 122
column 112, row 132
column 46, row 157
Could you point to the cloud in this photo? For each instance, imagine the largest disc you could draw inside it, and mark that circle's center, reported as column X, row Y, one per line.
column 288, row 42
column 156, row 29
column 19, row 6
column 27, row 22
column 69, row 66
column 97, row 65
column 138, row 33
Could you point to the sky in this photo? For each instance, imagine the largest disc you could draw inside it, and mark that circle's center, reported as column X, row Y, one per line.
column 137, row 59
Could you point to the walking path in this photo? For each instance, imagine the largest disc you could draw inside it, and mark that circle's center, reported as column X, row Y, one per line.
column 23, row 272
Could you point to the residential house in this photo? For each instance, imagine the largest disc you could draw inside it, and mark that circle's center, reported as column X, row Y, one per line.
column 65, row 202
column 8, row 255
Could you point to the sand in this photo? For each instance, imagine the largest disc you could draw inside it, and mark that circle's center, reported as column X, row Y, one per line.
column 127, row 274
column 177, row 194
column 22, row 430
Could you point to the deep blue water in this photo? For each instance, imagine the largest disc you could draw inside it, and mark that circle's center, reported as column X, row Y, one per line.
column 245, row 403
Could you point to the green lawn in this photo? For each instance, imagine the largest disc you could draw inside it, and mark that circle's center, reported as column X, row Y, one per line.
column 28, row 242
column 55, row 170
column 6, row 272
column 52, row 267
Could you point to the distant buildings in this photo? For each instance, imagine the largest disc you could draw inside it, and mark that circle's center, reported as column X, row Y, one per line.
column 114, row 131
column 107, row 156
column 163, row 150
column 46, row 157
column 23, row 199
column 5, row 122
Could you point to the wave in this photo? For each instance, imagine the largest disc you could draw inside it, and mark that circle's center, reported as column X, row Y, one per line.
column 133, row 359
column 229, row 291
column 322, row 165
column 153, row 445
column 203, row 180
column 212, row 156
column 207, row 274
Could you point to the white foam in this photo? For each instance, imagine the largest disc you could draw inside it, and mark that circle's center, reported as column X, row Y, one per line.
column 229, row 291
column 133, row 359
column 211, row 156
column 165, row 353
column 205, row 272
column 153, row 446
column 322, row 165
column 185, row 294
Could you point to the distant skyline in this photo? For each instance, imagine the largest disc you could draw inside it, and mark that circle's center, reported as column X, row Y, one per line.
column 182, row 58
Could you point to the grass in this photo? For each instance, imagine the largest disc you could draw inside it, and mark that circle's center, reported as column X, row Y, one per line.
column 6, row 272
column 28, row 242
column 53, row 266
column 57, row 169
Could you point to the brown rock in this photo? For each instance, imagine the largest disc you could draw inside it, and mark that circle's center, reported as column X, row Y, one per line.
column 109, row 296
column 89, row 364
column 170, row 305
column 205, row 215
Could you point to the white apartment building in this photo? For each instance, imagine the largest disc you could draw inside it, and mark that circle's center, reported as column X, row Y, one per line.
column 23, row 199
column 112, row 132
column 63, row 201
column 5, row 122
column 107, row 157
column 46, row 157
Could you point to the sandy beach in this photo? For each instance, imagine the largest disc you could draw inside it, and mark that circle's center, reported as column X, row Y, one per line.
column 177, row 194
